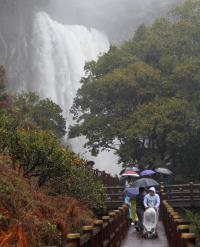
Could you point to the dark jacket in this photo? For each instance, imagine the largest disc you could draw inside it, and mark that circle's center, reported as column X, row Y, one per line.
column 140, row 201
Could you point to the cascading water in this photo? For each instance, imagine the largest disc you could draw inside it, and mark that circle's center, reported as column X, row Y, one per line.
column 59, row 53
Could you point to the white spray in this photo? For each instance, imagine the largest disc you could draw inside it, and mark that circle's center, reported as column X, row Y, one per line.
column 59, row 53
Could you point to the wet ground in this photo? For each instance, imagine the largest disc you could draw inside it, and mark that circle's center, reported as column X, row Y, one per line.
column 133, row 239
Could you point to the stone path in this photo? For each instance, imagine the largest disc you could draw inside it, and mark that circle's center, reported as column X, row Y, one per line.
column 133, row 239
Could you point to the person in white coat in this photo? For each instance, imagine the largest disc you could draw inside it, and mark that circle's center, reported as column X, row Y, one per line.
column 152, row 199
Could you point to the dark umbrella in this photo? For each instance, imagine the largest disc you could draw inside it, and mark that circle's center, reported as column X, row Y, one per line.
column 131, row 192
column 147, row 173
column 145, row 182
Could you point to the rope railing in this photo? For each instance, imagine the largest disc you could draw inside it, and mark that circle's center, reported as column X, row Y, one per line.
column 108, row 231
column 177, row 229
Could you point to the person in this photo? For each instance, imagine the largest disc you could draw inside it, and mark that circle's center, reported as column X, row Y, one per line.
column 130, row 201
column 127, row 201
column 90, row 164
column 140, row 208
column 134, row 216
column 128, row 182
column 152, row 199
column 166, row 179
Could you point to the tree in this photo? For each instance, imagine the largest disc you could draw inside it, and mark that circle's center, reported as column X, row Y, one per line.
column 43, row 112
column 3, row 80
column 142, row 99
column 37, row 153
column 108, row 102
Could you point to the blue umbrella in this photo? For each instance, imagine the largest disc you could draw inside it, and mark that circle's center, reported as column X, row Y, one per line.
column 131, row 192
column 147, row 173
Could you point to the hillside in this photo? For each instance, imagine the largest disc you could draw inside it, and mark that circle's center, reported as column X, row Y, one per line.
column 29, row 217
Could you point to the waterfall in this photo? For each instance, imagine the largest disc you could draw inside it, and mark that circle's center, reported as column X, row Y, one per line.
column 59, row 53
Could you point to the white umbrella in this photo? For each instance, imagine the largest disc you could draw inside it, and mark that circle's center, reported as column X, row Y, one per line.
column 164, row 171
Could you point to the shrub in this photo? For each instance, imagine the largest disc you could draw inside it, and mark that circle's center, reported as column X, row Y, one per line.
column 82, row 185
column 37, row 153
column 194, row 217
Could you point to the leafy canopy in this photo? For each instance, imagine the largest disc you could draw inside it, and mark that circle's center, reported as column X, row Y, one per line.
column 142, row 99
column 43, row 112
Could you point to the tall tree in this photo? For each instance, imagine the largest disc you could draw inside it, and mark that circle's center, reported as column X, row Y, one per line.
column 142, row 99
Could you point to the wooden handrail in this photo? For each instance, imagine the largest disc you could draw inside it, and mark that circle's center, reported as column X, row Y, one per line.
column 183, row 195
column 177, row 229
column 110, row 231
column 106, row 178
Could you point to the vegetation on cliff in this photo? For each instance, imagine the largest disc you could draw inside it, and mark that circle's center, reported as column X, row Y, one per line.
column 45, row 189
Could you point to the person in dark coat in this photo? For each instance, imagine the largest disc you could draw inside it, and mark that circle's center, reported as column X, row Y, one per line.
column 140, row 208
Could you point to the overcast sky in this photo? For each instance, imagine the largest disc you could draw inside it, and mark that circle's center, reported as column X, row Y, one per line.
column 118, row 18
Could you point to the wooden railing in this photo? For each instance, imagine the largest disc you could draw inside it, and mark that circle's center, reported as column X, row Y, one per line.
column 177, row 229
column 106, row 178
column 183, row 195
column 114, row 196
column 109, row 231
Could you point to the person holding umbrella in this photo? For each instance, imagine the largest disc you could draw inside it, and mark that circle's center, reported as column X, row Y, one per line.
column 128, row 182
column 129, row 200
column 164, row 175
column 129, row 174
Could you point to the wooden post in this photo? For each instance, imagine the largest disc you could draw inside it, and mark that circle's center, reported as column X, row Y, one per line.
column 118, row 214
column 106, row 231
column 99, row 223
column 175, row 216
column 74, row 238
column 169, row 224
column 191, row 194
column 181, row 229
column 89, row 230
column 121, row 224
column 188, row 239
column 125, row 219
column 113, row 229
column 163, row 197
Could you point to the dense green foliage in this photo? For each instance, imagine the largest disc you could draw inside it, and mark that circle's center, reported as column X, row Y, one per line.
column 43, row 112
column 82, row 185
column 30, row 130
column 143, row 99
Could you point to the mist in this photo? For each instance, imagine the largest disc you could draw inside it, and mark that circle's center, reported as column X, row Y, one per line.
column 117, row 18
column 44, row 50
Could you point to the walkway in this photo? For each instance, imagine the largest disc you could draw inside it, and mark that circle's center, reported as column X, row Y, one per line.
column 133, row 239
